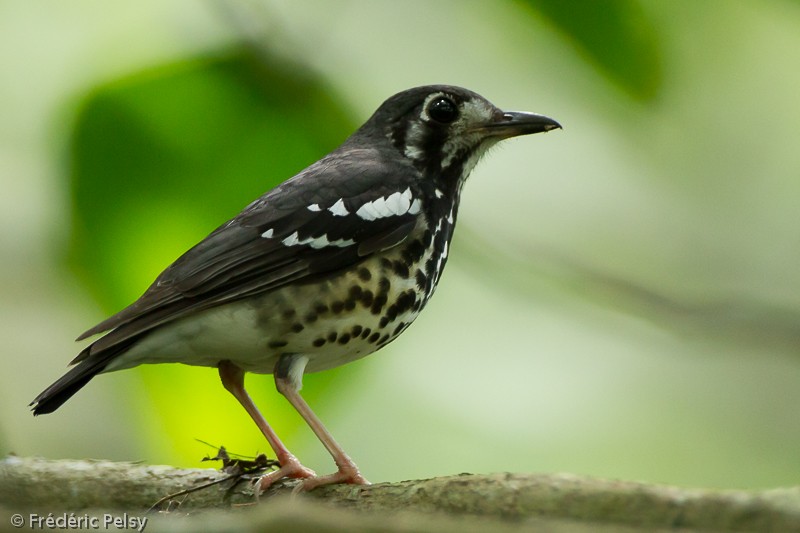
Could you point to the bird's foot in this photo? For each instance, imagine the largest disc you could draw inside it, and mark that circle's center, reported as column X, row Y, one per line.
column 346, row 474
column 290, row 468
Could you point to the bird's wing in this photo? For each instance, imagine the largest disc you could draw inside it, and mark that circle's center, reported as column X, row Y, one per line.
column 330, row 216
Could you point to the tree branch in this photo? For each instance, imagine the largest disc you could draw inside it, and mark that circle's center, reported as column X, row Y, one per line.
column 440, row 504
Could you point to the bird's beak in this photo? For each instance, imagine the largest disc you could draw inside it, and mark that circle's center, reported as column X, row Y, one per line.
column 514, row 123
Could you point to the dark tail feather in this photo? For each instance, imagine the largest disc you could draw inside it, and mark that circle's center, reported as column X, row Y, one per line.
column 67, row 385
column 79, row 375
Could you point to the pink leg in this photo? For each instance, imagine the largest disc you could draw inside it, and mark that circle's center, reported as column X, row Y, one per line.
column 348, row 471
column 233, row 380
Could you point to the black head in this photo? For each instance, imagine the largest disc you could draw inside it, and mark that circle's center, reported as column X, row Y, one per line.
column 443, row 130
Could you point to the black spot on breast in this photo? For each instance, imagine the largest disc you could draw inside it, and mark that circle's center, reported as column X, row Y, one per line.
column 384, row 339
column 297, row 327
column 384, row 285
column 383, row 322
column 429, row 285
column 337, row 307
column 405, row 300
column 344, row 339
column 386, row 263
column 377, row 304
column 400, row 327
column 391, row 313
column 427, row 238
column 365, row 333
column 430, row 266
column 356, row 331
column 400, row 268
column 311, row 318
column 277, row 344
column 332, row 336
column 355, row 292
column 416, row 250
column 352, row 298
column 367, row 298
column 320, row 308
column 374, row 337
column 318, row 342
column 364, row 274
column 420, row 276
column 406, row 256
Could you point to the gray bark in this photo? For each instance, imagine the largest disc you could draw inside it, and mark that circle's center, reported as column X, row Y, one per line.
column 502, row 502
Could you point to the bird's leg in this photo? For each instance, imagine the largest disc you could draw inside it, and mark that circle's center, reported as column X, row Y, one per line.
column 233, row 380
column 288, row 380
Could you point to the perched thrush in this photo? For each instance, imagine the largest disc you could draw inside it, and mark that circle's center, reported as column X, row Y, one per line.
column 326, row 268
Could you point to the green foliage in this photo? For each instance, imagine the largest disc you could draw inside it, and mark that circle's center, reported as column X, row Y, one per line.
column 159, row 159
column 615, row 35
column 167, row 155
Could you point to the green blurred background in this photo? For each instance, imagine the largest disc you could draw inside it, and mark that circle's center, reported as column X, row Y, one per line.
column 622, row 298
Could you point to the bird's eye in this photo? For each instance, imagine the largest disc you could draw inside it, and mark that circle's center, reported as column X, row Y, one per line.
column 443, row 110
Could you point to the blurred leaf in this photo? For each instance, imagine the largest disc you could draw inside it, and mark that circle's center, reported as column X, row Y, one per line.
column 615, row 35
column 161, row 158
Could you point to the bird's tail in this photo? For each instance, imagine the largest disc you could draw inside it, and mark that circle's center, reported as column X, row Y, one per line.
column 79, row 375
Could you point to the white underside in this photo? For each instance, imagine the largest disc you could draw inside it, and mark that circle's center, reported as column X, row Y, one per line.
column 233, row 333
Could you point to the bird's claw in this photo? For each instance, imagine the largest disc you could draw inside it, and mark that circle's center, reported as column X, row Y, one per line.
column 309, row 480
column 289, row 469
column 345, row 474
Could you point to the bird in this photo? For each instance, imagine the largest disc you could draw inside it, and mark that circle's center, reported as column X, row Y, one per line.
column 324, row 269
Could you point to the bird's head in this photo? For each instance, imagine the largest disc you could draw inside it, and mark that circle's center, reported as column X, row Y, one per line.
column 443, row 130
